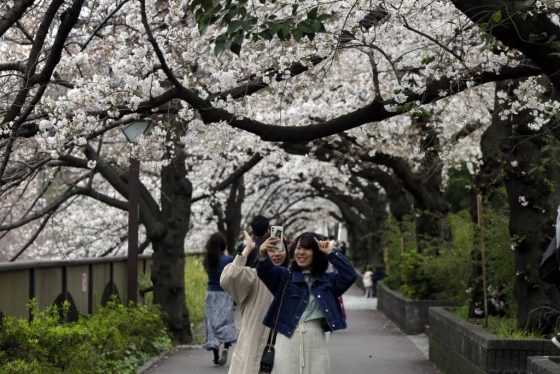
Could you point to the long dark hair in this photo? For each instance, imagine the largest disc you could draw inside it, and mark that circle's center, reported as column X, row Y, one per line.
column 215, row 245
column 320, row 262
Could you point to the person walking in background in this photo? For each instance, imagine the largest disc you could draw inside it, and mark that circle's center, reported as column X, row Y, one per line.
column 218, row 305
column 343, row 248
column 368, row 281
column 305, row 303
column 253, row 298
column 378, row 275
column 260, row 226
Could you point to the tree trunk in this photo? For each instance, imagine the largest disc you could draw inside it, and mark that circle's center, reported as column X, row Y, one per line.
column 233, row 214
column 168, row 268
column 487, row 183
column 432, row 230
column 533, row 197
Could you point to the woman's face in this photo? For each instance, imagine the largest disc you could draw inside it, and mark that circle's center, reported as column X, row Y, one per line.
column 278, row 257
column 303, row 256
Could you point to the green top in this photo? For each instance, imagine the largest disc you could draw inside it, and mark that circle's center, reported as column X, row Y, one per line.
column 313, row 309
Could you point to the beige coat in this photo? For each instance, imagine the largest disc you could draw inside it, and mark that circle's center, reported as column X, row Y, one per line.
column 253, row 299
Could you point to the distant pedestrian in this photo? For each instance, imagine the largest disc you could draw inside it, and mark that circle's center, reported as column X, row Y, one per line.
column 254, row 299
column 218, row 305
column 305, row 303
column 377, row 276
column 368, row 281
column 260, row 226
column 343, row 248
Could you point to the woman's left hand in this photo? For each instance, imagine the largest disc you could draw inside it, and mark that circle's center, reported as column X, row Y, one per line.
column 324, row 246
column 249, row 246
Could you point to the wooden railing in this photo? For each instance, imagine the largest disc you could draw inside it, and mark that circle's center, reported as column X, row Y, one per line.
column 77, row 281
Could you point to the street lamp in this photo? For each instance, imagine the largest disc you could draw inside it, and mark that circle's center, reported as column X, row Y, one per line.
column 132, row 132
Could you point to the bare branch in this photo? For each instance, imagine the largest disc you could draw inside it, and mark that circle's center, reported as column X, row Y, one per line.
column 100, row 26
column 14, row 14
column 105, row 199
column 232, row 177
column 33, row 237
column 53, row 206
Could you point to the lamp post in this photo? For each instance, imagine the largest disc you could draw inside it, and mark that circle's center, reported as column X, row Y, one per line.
column 132, row 132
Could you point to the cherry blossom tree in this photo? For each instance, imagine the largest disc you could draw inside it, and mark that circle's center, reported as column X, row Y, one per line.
column 75, row 72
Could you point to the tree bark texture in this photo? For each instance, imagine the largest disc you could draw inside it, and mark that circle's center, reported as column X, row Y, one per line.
column 168, row 268
column 233, row 212
column 432, row 230
column 487, row 182
column 533, row 198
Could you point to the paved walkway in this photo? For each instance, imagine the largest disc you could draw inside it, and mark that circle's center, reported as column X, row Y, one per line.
column 370, row 344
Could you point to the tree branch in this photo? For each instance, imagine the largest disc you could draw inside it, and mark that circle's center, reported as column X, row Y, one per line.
column 149, row 218
column 33, row 237
column 232, row 177
column 14, row 14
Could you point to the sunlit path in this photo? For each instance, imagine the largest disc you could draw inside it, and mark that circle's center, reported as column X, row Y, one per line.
column 370, row 344
column 353, row 301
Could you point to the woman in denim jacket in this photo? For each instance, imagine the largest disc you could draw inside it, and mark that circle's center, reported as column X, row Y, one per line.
column 309, row 305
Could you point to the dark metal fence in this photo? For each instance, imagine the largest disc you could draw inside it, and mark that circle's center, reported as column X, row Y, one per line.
column 78, row 281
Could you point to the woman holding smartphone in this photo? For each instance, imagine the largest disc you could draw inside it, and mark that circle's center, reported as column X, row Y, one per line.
column 309, row 305
column 253, row 298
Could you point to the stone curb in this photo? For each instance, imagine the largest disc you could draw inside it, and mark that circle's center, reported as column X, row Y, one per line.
column 150, row 363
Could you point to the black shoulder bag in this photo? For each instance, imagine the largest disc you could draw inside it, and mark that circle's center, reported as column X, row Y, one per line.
column 267, row 360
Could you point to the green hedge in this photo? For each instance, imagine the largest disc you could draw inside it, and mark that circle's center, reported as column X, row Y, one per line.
column 114, row 339
column 446, row 275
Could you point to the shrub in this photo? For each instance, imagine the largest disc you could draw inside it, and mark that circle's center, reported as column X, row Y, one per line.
column 500, row 259
column 429, row 276
column 112, row 340
column 397, row 239
column 447, row 274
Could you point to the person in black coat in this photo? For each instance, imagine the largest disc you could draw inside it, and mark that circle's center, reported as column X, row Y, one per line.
column 261, row 229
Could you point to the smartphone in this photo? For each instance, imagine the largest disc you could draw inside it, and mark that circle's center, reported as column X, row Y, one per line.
column 278, row 232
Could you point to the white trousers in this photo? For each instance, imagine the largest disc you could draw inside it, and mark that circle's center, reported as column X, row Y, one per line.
column 304, row 353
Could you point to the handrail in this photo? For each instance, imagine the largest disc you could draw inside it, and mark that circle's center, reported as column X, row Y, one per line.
column 53, row 281
column 37, row 264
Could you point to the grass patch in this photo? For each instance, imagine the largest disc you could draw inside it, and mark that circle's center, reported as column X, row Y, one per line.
column 502, row 327
column 196, row 284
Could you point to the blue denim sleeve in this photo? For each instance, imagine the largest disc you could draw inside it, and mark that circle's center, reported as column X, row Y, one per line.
column 270, row 275
column 345, row 275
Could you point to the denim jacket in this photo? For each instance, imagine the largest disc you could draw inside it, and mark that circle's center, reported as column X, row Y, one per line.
column 327, row 288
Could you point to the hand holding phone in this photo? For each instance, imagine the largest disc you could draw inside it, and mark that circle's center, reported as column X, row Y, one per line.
column 278, row 232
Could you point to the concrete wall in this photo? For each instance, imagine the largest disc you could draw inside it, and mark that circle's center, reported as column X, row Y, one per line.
column 410, row 315
column 543, row 365
column 460, row 347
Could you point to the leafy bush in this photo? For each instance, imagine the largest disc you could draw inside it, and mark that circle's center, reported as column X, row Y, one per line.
column 114, row 339
column 422, row 276
column 397, row 239
column 447, row 274
column 500, row 259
